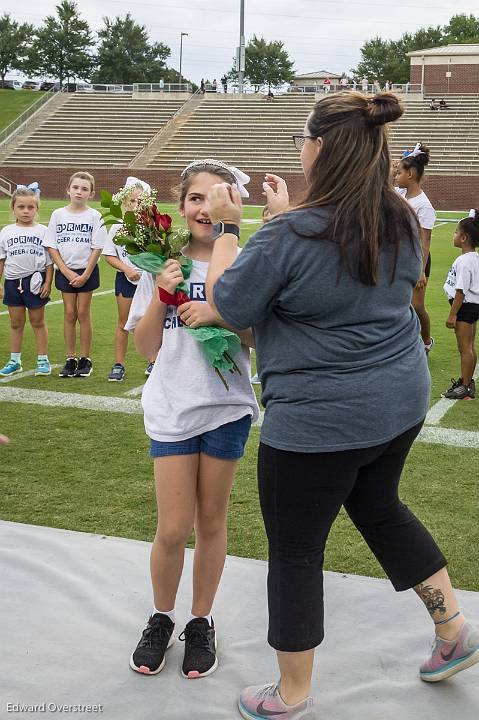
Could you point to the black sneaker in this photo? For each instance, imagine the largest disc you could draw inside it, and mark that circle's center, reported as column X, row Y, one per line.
column 85, row 367
column 200, row 648
column 68, row 370
column 157, row 637
column 149, row 368
column 117, row 373
column 460, row 392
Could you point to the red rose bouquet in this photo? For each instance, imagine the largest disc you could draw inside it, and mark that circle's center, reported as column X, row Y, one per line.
column 149, row 238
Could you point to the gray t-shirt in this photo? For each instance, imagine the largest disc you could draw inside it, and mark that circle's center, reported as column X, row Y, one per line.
column 341, row 363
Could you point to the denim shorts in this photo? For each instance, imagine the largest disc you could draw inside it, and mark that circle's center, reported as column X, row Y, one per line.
column 227, row 442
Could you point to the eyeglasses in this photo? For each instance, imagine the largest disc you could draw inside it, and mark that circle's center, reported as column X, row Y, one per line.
column 299, row 140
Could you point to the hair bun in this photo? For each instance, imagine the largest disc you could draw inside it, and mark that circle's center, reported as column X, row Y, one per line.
column 384, row 108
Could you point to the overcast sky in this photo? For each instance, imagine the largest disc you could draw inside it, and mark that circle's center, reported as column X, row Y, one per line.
column 318, row 34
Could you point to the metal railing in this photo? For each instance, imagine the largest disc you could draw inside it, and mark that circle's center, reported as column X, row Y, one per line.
column 162, row 87
column 6, row 186
column 370, row 88
column 27, row 114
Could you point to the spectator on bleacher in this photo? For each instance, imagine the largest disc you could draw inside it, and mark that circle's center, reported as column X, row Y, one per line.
column 364, row 84
column 162, row 84
column 408, row 179
column 442, row 104
column 376, row 86
column 326, row 287
column 434, row 104
column 224, row 82
column 343, row 82
column 326, row 85
column 269, row 95
column 215, row 86
column 202, row 86
column 387, row 86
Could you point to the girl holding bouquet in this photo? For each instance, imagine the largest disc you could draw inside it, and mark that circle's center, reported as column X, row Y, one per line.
column 198, row 429
column 327, row 288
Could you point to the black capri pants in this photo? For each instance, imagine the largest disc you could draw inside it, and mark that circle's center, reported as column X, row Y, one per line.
column 301, row 495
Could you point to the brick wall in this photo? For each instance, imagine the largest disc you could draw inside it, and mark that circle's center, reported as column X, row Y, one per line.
column 454, row 192
column 464, row 78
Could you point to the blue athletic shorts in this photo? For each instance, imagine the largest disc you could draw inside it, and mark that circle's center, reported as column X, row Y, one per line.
column 123, row 286
column 63, row 284
column 14, row 297
column 227, row 442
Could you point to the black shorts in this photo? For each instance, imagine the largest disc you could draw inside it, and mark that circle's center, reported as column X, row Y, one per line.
column 123, row 286
column 17, row 294
column 468, row 312
column 62, row 283
column 427, row 269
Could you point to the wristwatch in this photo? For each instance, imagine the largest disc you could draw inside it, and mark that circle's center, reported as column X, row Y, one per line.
column 220, row 228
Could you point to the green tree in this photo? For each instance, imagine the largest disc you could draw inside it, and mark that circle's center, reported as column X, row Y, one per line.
column 462, row 29
column 62, row 46
column 387, row 59
column 14, row 41
column 267, row 63
column 125, row 54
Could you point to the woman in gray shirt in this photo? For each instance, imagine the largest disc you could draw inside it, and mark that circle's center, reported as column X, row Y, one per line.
column 327, row 288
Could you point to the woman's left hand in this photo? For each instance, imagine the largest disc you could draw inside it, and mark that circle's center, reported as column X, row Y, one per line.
column 224, row 204
column 197, row 313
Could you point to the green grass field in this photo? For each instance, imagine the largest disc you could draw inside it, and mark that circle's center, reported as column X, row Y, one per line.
column 14, row 102
column 90, row 471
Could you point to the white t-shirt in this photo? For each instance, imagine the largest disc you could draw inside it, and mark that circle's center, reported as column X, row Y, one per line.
column 75, row 235
column 183, row 396
column 422, row 207
column 118, row 251
column 464, row 275
column 23, row 250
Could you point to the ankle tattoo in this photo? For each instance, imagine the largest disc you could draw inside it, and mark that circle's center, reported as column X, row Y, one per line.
column 433, row 599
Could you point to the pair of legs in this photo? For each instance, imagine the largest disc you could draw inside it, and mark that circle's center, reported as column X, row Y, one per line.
column 76, row 307
column 301, row 495
column 36, row 317
column 466, row 338
column 418, row 303
column 191, row 491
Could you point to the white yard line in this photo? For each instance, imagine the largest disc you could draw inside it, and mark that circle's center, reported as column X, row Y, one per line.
column 18, row 376
column 448, row 436
column 59, row 302
column 102, row 403
column 47, row 398
column 135, row 391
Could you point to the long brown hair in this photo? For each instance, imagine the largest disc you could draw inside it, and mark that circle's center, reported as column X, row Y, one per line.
column 351, row 173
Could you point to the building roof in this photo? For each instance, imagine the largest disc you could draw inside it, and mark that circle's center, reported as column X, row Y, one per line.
column 447, row 50
column 318, row 73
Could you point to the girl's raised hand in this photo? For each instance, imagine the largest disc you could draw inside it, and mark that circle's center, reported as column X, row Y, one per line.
column 170, row 276
column 277, row 196
column 197, row 313
column 224, row 204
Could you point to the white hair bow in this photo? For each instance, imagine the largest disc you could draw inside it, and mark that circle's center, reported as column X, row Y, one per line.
column 241, row 178
column 34, row 186
column 472, row 214
column 136, row 181
column 414, row 153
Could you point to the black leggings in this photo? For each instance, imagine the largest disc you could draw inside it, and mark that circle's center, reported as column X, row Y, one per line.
column 301, row 495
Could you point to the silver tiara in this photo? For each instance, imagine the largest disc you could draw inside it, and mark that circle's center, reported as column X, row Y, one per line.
column 202, row 163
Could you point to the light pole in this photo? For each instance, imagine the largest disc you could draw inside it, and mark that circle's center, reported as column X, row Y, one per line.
column 181, row 53
column 241, row 50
